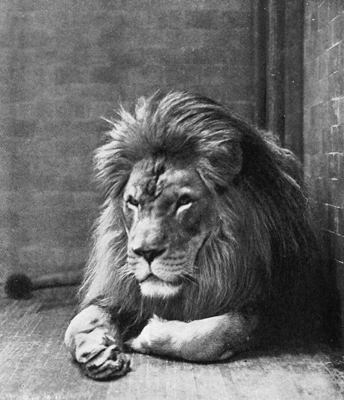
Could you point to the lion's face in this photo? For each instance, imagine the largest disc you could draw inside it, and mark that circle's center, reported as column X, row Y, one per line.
column 168, row 215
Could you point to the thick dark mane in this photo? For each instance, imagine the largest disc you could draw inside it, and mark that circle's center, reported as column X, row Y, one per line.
column 263, row 247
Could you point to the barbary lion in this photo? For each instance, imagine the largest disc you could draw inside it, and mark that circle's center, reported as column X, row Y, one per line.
column 203, row 244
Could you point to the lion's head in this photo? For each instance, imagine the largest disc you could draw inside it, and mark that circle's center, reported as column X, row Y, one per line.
column 202, row 213
column 168, row 212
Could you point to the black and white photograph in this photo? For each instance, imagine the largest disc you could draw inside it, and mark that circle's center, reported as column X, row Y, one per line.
column 171, row 199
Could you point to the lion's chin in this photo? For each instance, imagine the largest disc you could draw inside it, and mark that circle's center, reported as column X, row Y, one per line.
column 153, row 287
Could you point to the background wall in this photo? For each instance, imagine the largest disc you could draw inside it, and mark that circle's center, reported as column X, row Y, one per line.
column 324, row 126
column 65, row 63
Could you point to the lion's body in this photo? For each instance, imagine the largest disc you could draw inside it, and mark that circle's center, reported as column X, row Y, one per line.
column 205, row 226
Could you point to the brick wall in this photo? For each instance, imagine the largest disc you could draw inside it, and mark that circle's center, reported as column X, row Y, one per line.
column 65, row 63
column 324, row 126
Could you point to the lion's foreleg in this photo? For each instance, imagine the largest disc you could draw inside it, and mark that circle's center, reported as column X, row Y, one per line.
column 96, row 345
column 210, row 339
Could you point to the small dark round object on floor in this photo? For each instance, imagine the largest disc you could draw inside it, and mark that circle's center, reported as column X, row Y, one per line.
column 18, row 286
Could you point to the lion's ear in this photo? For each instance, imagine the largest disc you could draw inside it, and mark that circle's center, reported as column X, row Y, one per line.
column 222, row 166
column 227, row 161
column 140, row 108
column 236, row 159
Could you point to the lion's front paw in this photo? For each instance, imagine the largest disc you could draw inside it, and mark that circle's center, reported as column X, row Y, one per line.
column 99, row 356
column 154, row 338
column 139, row 344
column 109, row 363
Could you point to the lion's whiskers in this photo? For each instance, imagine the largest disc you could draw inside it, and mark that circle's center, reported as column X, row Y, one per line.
column 125, row 272
column 189, row 279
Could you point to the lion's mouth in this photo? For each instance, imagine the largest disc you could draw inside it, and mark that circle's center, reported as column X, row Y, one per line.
column 151, row 278
column 152, row 286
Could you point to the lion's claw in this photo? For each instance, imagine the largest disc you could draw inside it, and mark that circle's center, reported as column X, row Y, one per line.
column 107, row 364
column 109, row 353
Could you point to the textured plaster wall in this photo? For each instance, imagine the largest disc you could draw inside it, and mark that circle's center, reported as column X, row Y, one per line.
column 65, row 63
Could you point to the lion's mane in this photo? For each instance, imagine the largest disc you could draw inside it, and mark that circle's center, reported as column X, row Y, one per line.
column 261, row 253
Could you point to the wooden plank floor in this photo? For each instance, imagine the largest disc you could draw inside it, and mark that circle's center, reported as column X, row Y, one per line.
column 35, row 365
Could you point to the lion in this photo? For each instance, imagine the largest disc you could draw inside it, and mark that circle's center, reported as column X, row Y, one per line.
column 203, row 244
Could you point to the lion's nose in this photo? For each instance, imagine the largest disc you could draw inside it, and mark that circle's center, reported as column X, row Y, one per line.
column 148, row 254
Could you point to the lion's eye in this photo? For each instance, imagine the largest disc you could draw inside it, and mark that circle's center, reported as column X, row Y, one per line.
column 184, row 200
column 133, row 203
